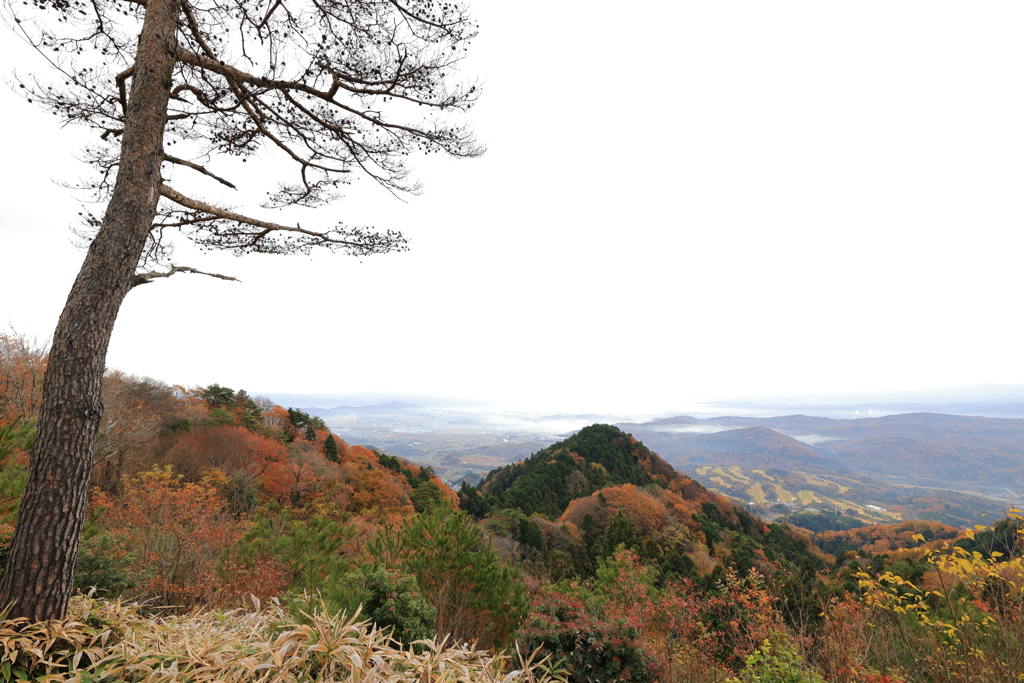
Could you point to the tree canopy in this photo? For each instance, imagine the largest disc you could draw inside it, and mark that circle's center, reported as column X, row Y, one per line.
column 336, row 88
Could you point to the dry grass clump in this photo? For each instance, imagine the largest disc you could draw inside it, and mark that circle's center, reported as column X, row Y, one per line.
column 112, row 641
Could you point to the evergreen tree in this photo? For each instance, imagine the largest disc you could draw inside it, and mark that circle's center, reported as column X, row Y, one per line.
column 529, row 534
column 591, row 541
column 252, row 414
column 472, row 501
column 17, row 435
column 427, row 495
column 217, row 396
column 331, row 448
column 218, row 417
column 357, row 68
column 307, row 550
column 620, row 531
column 476, row 596
column 388, row 598
column 303, row 420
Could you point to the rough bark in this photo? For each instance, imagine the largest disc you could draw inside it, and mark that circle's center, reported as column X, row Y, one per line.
column 46, row 537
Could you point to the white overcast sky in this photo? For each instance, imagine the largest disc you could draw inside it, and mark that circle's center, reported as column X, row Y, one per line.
column 680, row 201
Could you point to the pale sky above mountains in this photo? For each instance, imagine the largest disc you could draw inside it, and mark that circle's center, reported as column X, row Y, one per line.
column 682, row 202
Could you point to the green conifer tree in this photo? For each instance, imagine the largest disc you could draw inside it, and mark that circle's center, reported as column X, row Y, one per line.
column 529, row 534
column 218, row 417
column 426, row 495
column 475, row 595
column 331, row 448
column 620, row 531
column 18, row 434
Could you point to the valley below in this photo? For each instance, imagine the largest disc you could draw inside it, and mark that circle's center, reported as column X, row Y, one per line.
column 956, row 469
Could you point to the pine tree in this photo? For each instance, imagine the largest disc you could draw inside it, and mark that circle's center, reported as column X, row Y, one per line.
column 529, row 534
column 331, row 448
column 18, row 435
column 620, row 531
column 476, row 596
column 427, row 495
column 331, row 87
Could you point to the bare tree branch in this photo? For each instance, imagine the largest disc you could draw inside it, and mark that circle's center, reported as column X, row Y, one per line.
column 146, row 278
column 121, row 90
column 262, row 239
column 182, row 162
column 197, row 205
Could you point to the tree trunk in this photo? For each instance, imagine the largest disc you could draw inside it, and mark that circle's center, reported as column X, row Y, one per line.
column 40, row 568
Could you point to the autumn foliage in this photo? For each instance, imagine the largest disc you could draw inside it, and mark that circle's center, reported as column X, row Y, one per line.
column 376, row 491
column 171, row 534
column 884, row 538
column 593, row 550
column 22, row 364
column 233, row 450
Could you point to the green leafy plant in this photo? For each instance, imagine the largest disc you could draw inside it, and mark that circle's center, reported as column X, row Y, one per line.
column 962, row 619
column 777, row 662
column 102, row 565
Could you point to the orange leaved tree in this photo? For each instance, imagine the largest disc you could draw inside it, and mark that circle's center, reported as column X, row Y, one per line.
column 171, row 533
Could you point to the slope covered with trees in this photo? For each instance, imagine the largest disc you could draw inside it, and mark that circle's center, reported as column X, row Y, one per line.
column 209, row 499
column 577, row 502
column 593, row 458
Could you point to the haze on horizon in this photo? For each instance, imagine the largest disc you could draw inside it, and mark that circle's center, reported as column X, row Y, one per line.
column 983, row 400
column 739, row 202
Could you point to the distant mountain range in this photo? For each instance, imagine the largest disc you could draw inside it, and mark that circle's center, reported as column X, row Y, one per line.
column 917, row 461
column 376, row 408
column 738, row 447
column 971, row 454
column 999, row 407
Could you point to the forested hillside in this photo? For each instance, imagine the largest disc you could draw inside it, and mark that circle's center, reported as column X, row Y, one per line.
column 601, row 489
column 209, row 504
column 594, row 458
column 209, row 496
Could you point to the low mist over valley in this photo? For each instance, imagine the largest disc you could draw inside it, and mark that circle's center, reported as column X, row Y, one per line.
column 874, row 462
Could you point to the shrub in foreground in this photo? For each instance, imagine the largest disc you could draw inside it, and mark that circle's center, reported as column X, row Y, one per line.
column 112, row 641
column 476, row 596
column 777, row 662
column 386, row 597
